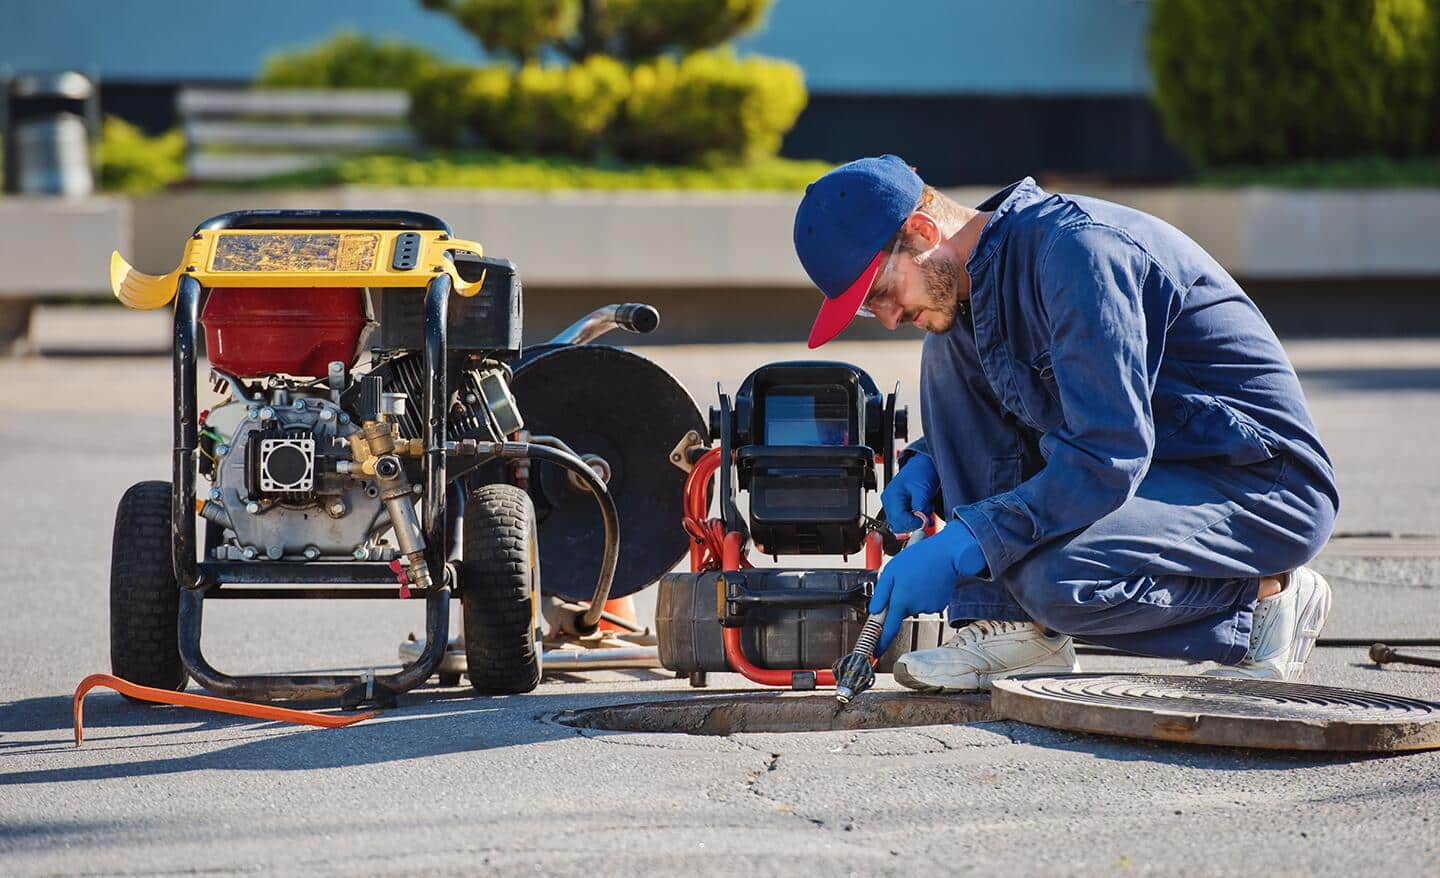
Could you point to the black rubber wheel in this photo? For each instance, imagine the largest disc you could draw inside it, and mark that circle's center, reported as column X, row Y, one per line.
column 448, row 678
column 144, row 597
column 500, row 591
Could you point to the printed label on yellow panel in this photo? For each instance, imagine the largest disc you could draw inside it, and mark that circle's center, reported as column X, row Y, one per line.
column 318, row 251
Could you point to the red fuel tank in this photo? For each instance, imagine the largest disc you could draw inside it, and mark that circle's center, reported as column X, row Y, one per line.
column 298, row 331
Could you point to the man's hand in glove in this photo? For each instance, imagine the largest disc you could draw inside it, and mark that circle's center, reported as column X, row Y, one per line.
column 910, row 496
column 922, row 577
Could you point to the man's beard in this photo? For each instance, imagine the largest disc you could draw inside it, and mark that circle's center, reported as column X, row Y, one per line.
column 943, row 277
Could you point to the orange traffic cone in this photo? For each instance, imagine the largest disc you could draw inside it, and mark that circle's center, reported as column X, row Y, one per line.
column 622, row 607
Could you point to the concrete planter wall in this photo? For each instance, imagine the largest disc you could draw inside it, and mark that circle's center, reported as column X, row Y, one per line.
column 707, row 258
column 638, row 240
column 59, row 246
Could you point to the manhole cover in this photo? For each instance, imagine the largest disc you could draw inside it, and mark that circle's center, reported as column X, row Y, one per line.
column 779, row 712
column 1222, row 712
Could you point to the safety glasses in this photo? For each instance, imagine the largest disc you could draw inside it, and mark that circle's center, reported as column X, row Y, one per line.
column 874, row 299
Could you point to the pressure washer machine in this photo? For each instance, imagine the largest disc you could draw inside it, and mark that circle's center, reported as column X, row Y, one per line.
column 801, row 443
column 367, row 444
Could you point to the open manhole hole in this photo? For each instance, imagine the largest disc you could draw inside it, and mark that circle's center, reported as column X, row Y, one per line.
column 782, row 712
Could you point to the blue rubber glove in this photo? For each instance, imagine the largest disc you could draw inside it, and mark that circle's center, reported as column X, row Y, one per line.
column 922, row 577
column 910, row 495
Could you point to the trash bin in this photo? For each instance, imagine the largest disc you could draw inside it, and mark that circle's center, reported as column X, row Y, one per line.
column 49, row 121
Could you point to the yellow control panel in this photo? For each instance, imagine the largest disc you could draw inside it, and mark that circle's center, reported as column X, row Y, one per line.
column 299, row 258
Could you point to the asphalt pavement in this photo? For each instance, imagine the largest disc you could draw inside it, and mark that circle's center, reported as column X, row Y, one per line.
column 497, row 786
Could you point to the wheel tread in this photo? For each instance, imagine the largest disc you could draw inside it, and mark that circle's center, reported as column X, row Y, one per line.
column 496, row 594
column 144, row 596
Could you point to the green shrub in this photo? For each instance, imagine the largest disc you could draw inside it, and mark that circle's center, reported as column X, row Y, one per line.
column 349, row 60
column 486, row 101
column 520, row 28
column 644, row 28
column 129, row 161
column 709, row 107
column 577, row 29
column 436, row 106
column 1238, row 81
column 537, row 109
column 560, row 109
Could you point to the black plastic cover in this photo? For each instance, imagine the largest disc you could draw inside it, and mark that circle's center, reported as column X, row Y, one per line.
column 489, row 321
column 807, row 500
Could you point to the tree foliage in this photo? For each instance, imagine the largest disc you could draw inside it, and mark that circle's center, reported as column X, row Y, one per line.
column 628, row 29
column 349, row 60
column 710, row 107
column 1243, row 82
column 131, row 161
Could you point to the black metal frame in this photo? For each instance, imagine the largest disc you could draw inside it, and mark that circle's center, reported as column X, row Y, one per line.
column 403, row 220
column 199, row 580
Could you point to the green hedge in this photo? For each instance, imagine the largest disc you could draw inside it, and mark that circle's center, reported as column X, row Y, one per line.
column 130, row 161
column 439, row 105
column 349, row 60
column 631, row 30
column 709, row 107
column 645, row 28
column 1247, row 82
column 563, row 110
column 519, row 28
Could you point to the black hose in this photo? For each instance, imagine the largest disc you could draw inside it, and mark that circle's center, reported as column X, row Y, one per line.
column 588, row 621
column 628, row 624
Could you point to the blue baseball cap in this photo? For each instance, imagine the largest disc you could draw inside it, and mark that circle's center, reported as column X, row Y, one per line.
column 842, row 226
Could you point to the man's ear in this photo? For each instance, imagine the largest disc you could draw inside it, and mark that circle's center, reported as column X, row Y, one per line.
column 924, row 226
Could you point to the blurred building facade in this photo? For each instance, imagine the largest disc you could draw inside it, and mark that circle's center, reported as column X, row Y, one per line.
column 970, row 91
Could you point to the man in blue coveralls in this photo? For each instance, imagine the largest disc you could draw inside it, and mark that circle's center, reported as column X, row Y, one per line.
column 1114, row 435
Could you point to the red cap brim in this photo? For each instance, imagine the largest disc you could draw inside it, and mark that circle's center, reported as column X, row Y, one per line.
column 837, row 313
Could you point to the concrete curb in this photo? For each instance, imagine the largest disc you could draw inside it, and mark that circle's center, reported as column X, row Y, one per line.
column 670, row 240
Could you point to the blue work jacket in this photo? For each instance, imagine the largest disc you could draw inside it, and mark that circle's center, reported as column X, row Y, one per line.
column 1116, row 340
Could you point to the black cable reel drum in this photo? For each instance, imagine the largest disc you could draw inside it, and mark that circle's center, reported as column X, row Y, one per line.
column 625, row 416
column 630, row 421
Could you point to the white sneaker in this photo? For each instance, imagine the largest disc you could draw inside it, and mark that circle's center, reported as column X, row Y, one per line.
column 1284, row 631
column 984, row 651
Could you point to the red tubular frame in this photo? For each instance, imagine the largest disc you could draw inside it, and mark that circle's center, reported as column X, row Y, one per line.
column 712, row 547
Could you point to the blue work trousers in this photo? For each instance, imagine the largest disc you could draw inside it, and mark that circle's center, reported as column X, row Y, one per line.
column 1172, row 572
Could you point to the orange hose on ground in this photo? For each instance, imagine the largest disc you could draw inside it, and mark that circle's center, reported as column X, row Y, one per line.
column 206, row 702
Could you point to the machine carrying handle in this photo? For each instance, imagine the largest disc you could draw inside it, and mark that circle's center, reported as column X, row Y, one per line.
column 631, row 317
column 637, row 317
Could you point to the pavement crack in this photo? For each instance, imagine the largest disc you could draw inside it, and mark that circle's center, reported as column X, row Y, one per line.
column 944, row 744
column 625, row 740
column 772, row 764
